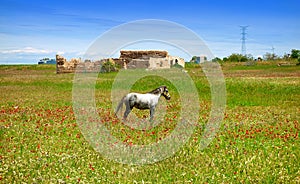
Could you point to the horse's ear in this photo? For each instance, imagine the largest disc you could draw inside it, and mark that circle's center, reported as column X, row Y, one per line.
column 162, row 88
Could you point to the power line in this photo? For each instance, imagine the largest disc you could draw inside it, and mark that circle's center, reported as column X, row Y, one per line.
column 273, row 50
column 243, row 33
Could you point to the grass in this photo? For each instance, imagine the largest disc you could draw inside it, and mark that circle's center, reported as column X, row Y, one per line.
column 258, row 141
column 262, row 92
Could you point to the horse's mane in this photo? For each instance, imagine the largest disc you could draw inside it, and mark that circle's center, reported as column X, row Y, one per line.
column 156, row 91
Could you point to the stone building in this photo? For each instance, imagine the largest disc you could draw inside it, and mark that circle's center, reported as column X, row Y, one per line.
column 200, row 59
column 152, row 59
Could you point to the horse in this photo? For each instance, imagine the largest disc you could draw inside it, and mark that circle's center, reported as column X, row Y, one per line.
column 143, row 101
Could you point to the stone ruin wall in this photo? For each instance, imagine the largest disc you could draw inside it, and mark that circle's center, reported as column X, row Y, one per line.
column 128, row 59
column 64, row 66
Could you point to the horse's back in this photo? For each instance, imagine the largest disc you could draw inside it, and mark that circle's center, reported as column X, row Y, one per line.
column 142, row 101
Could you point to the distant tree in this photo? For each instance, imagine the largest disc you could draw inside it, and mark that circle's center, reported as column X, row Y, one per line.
column 108, row 66
column 237, row 58
column 249, row 57
column 270, row 56
column 225, row 59
column 295, row 54
column 216, row 59
column 193, row 60
column 233, row 58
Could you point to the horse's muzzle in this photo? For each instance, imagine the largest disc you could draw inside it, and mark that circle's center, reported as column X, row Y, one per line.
column 168, row 97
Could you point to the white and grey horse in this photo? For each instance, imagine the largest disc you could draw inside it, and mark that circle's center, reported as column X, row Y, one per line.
column 143, row 101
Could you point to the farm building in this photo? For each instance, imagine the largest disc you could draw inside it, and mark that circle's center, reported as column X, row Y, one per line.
column 200, row 59
column 47, row 61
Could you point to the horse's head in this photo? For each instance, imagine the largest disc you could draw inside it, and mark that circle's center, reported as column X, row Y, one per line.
column 165, row 92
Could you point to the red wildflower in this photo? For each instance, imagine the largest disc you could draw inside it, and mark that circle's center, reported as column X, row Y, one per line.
column 91, row 167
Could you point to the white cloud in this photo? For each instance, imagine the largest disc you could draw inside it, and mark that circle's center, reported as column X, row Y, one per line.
column 60, row 52
column 26, row 50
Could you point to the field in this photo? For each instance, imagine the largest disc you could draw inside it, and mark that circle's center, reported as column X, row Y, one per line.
column 258, row 141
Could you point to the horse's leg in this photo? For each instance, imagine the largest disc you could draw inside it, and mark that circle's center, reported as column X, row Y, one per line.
column 127, row 111
column 152, row 109
column 119, row 106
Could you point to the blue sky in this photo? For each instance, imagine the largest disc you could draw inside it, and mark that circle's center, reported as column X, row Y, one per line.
column 31, row 30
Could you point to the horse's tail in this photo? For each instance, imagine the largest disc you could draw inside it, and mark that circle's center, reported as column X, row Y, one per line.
column 120, row 105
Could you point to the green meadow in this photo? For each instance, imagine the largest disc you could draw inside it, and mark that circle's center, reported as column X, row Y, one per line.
column 258, row 140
